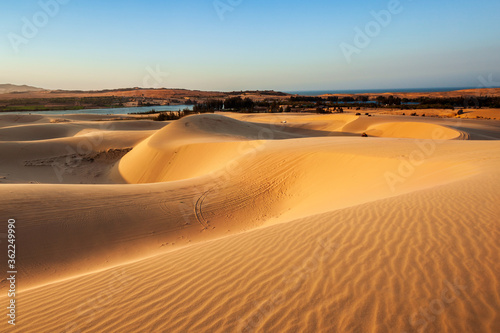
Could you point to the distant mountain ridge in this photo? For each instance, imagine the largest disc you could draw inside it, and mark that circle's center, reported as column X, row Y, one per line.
column 12, row 88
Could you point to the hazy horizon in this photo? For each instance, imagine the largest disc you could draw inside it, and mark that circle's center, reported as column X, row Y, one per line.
column 347, row 91
column 243, row 45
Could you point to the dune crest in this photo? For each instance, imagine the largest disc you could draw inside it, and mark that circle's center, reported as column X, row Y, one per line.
column 245, row 223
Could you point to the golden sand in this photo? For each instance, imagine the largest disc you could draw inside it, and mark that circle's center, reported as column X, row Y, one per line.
column 253, row 223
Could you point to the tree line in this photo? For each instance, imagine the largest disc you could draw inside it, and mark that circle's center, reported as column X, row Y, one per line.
column 228, row 104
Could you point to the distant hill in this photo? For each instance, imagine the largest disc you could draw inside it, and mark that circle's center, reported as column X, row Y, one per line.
column 12, row 88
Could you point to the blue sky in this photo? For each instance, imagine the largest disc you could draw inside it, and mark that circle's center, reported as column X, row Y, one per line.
column 248, row 44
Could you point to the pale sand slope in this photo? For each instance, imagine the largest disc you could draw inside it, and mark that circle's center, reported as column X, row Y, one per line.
column 379, row 267
column 63, row 149
column 378, row 126
column 234, row 242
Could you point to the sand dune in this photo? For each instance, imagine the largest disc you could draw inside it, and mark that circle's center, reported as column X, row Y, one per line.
column 253, row 223
column 349, row 124
column 190, row 147
column 412, row 130
column 382, row 266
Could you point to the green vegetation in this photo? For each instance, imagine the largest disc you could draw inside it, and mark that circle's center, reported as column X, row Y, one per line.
column 210, row 105
column 247, row 105
column 168, row 116
column 396, row 102
column 238, row 103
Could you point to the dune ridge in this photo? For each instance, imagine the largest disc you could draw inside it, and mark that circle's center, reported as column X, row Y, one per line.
column 357, row 269
column 246, row 223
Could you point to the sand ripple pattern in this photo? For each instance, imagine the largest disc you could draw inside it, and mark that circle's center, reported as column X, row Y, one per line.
column 423, row 262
